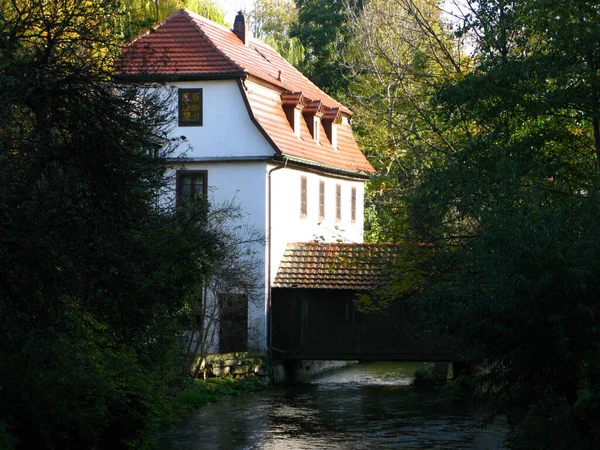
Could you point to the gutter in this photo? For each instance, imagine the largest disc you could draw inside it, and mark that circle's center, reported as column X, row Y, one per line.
column 320, row 168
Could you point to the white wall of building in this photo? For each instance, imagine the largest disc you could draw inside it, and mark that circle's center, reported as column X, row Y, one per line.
column 227, row 130
column 227, row 134
column 243, row 182
column 287, row 224
column 219, row 146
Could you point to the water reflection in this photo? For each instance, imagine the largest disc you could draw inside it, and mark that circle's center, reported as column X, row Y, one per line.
column 365, row 406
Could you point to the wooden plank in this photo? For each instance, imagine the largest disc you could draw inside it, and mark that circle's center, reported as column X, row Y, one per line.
column 325, row 324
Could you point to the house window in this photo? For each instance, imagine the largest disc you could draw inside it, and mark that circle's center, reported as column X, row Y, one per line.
column 190, row 184
column 333, row 135
column 297, row 116
column 353, row 205
column 316, row 129
column 321, row 200
column 303, row 197
column 190, row 107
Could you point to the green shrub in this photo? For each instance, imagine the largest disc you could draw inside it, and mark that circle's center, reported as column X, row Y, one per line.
column 213, row 389
column 7, row 442
column 425, row 376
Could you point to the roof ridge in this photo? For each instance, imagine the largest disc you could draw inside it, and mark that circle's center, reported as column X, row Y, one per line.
column 193, row 17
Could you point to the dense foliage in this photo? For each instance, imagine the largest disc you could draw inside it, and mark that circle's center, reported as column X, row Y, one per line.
column 137, row 16
column 271, row 22
column 92, row 270
column 508, row 211
column 397, row 53
column 322, row 29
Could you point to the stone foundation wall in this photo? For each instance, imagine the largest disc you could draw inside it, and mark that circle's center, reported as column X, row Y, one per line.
column 235, row 364
column 240, row 365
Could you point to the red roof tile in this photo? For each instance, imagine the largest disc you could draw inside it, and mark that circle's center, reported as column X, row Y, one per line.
column 336, row 266
column 190, row 46
column 176, row 46
column 272, row 118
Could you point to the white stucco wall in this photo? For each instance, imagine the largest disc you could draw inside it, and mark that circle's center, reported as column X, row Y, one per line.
column 243, row 182
column 227, row 130
column 234, row 153
column 287, row 225
column 226, row 137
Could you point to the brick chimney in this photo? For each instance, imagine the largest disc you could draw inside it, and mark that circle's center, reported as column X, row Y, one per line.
column 239, row 28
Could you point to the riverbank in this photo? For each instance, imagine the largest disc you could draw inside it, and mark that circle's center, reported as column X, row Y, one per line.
column 202, row 392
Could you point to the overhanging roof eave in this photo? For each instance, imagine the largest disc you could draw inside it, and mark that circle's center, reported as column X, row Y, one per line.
column 322, row 167
column 150, row 77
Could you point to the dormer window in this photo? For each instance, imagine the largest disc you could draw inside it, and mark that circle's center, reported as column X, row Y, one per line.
column 293, row 104
column 331, row 119
column 297, row 123
column 313, row 111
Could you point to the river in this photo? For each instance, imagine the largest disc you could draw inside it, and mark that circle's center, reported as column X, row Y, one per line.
column 365, row 406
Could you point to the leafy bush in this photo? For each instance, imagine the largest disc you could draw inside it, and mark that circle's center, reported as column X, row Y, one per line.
column 6, row 440
column 213, row 389
column 425, row 376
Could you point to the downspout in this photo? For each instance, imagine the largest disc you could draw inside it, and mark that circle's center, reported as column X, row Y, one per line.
column 243, row 88
column 269, row 257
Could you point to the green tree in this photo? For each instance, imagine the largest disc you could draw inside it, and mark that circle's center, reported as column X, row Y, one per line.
column 138, row 15
column 322, row 28
column 398, row 52
column 510, row 214
column 271, row 21
column 93, row 267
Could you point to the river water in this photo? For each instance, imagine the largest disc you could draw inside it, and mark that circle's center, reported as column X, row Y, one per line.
column 365, row 406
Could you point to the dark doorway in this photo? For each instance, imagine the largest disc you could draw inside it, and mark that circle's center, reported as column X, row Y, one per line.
column 233, row 334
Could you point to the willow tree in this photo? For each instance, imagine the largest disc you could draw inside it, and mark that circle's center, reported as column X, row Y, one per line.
column 271, row 21
column 138, row 15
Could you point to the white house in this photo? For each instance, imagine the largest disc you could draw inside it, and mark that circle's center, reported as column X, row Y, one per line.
column 260, row 132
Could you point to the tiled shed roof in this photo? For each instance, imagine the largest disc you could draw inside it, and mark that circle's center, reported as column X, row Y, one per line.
column 189, row 46
column 336, row 266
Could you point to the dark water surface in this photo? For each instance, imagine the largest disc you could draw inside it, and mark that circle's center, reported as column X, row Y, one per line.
column 366, row 406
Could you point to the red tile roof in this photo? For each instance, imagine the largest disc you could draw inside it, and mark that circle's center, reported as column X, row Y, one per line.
column 336, row 266
column 188, row 46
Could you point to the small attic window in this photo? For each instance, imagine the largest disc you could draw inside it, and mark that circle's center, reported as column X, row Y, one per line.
column 317, row 129
column 331, row 119
column 333, row 135
column 297, row 116
column 293, row 103
column 313, row 111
